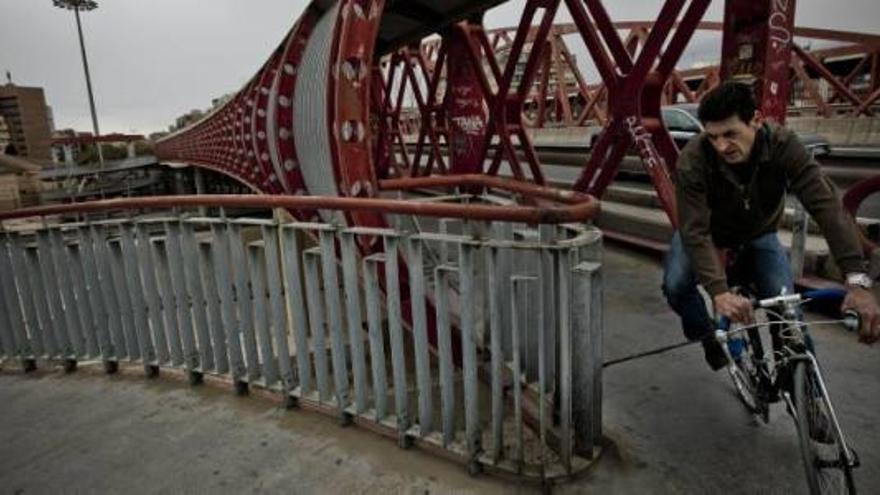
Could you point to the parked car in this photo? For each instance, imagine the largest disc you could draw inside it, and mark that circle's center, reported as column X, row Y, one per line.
column 683, row 124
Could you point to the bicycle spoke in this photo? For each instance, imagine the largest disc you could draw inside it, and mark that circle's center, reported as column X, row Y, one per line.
column 822, row 448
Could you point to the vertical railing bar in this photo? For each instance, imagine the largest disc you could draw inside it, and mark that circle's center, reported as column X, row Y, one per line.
column 547, row 276
column 469, row 351
column 587, row 341
column 124, row 297
column 377, row 346
column 415, row 266
column 564, row 263
column 81, row 293
column 50, row 282
column 542, row 330
column 597, row 349
column 100, row 319
column 243, row 297
column 228, row 314
column 444, row 344
column 316, row 320
column 112, row 312
column 71, row 310
column 276, row 300
column 7, row 347
column 205, row 253
column 355, row 325
column 30, row 326
column 147, row 270
column 297, row 307
column 136, row 296
column 519, row 316
column 41, row 303
column 395, row 330
column 193, row 280
column 256, row 262
column 334, row 317
column 495, row 348
column 504, row 267
column 169, row 299
column 184, row 315
column 15, row 343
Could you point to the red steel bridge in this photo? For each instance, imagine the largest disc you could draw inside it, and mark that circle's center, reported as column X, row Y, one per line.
column 325, row 131
column 327, row 113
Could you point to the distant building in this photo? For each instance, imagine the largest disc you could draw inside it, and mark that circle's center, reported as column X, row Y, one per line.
column 186, row 120
column 26, row 114
column 19, row 183
column 72, row 153
column 5, row 135
column 222, row 100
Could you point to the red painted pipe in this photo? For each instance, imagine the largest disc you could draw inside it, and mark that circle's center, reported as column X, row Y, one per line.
column 854, row 198
column 579, row 212
column 478, row 180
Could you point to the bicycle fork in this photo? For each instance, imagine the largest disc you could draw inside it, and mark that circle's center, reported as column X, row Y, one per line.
column 851, row 458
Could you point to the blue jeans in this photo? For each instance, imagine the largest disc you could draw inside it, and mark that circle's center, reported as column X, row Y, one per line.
column 766, row 268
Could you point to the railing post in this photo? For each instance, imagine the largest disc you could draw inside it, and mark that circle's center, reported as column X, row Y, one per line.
column 586, row 335
column 799, row 226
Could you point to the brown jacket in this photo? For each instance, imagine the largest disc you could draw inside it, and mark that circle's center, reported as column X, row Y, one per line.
column 715, row 209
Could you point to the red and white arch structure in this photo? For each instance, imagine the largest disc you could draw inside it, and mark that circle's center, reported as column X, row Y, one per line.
column 323, row 114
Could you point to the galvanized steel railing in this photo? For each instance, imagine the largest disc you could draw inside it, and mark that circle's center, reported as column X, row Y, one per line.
column 501, row 367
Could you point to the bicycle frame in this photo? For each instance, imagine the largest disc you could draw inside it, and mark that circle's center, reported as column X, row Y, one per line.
column 787, row 355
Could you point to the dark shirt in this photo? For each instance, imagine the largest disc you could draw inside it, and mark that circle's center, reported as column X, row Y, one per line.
column 724, row 206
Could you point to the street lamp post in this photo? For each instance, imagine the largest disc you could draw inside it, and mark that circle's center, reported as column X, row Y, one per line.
column 76, row 6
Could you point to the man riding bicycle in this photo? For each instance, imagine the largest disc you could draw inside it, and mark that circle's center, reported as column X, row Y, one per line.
column 731, row 183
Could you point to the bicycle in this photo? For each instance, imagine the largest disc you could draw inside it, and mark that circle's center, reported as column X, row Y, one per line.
column 794, row 376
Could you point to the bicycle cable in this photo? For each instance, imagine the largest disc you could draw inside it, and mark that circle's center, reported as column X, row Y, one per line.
column 711, row 336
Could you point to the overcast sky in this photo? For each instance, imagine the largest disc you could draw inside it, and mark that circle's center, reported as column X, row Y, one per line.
column 152, row 60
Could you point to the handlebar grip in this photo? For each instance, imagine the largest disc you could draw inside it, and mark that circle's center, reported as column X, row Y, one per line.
column 852, row 321
column 825, row 294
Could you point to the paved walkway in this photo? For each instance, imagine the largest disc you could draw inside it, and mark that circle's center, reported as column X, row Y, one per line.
column 676, row 427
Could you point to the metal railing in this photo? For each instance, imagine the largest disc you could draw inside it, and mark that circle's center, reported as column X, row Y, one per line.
column 481, row 340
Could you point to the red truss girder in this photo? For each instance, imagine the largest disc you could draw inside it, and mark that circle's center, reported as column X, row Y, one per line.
column 635, row 87
column 412, row 71
column 864, row 46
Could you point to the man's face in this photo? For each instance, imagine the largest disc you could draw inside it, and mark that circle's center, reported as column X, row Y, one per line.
column 734, row 139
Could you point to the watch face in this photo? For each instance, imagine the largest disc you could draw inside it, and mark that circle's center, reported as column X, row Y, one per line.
column 859, row 280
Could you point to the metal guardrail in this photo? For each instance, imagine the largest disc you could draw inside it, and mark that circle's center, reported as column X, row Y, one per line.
column 501, row 368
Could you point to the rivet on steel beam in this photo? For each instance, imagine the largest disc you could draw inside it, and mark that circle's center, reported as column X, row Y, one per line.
column 352, row 131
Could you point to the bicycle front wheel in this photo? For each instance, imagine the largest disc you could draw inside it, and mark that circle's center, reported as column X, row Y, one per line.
column 822, row 449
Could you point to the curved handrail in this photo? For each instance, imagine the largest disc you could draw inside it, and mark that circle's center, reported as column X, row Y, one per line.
column 581, row 211
column 479, row 180
column 854, row 197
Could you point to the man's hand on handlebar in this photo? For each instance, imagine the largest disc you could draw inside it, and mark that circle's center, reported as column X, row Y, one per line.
column 737, row 308
column 863, row 302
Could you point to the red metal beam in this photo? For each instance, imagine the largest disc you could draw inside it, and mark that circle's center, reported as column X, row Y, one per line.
column 576, row 212
column 826, row 74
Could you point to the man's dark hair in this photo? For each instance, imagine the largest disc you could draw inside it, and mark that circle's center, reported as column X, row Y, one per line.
column 727, row 100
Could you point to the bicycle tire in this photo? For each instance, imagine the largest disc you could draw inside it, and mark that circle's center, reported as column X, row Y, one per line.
column 822, row 449
column 744, row 374
column 745, row 385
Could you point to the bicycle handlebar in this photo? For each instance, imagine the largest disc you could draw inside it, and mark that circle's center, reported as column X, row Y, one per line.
column 851, row 319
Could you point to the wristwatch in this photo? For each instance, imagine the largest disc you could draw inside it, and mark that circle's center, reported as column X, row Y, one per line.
column 860, row 280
